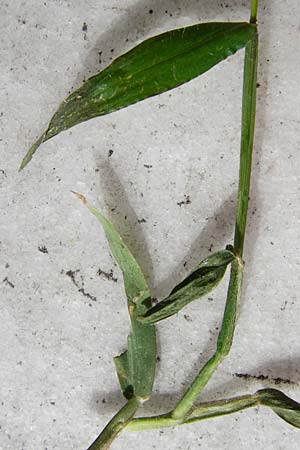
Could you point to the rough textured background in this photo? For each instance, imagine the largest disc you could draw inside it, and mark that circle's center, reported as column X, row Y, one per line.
column 58, row 383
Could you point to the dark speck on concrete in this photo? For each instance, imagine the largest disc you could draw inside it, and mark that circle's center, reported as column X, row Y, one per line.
column 84, row 27
column 188, row 318
column 277, row 380
column 186, row 201
column 110, row 152
column 42, row 249
column 108, row 275
column 8, row 283
column 71, row 274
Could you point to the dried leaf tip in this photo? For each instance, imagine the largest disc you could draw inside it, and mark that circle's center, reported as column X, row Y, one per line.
column 80, row 197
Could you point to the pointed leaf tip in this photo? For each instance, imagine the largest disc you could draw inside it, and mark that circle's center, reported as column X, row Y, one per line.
column 80, row 197
column 31, row 152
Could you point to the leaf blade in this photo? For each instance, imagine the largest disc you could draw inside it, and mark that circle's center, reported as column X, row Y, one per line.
column 136, row 366
column 200, row 282
column 155, row 66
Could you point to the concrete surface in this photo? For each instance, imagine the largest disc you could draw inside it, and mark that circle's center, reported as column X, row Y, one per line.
column 58, row 383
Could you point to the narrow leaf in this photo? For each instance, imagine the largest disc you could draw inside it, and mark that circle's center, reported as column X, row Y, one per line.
column 285, row 407
column 200, row 282
column 135, row 367
column 156, row 65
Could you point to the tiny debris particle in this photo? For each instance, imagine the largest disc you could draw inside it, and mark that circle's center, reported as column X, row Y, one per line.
column 150, row 11
column 84, row 27
column 42, row 249
column 86, row 294
column 188, row 318
column 71, row 274
column 142, row 220
column 108, row 275
column 103, row 400
column 186, row 201
column 283, row 308
column 8, row 283
column 148, row 166
column 110, row 152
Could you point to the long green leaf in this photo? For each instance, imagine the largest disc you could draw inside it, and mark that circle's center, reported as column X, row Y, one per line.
column 200, row 282
column 135, row 367
column 154, row 66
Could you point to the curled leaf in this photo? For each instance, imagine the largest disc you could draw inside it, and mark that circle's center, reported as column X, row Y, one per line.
column 136, row 366
column 200, row 282
column 285, row 407
column 156, row 65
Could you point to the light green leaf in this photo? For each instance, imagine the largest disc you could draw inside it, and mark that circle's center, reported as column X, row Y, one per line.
column 154, row 66
column 136, row 366
column 200, row 282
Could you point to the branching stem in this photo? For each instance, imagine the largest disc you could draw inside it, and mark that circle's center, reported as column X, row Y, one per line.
column 204, row 411
column 184, row 412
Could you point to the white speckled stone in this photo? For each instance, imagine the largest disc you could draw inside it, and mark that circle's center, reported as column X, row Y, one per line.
column 58, row 385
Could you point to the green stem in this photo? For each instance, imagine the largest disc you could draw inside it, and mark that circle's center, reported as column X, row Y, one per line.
column 116, row 425
column 247, row 139
column 204, row 411
column 223, row 345
column 254, row 9
column 236, row 278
